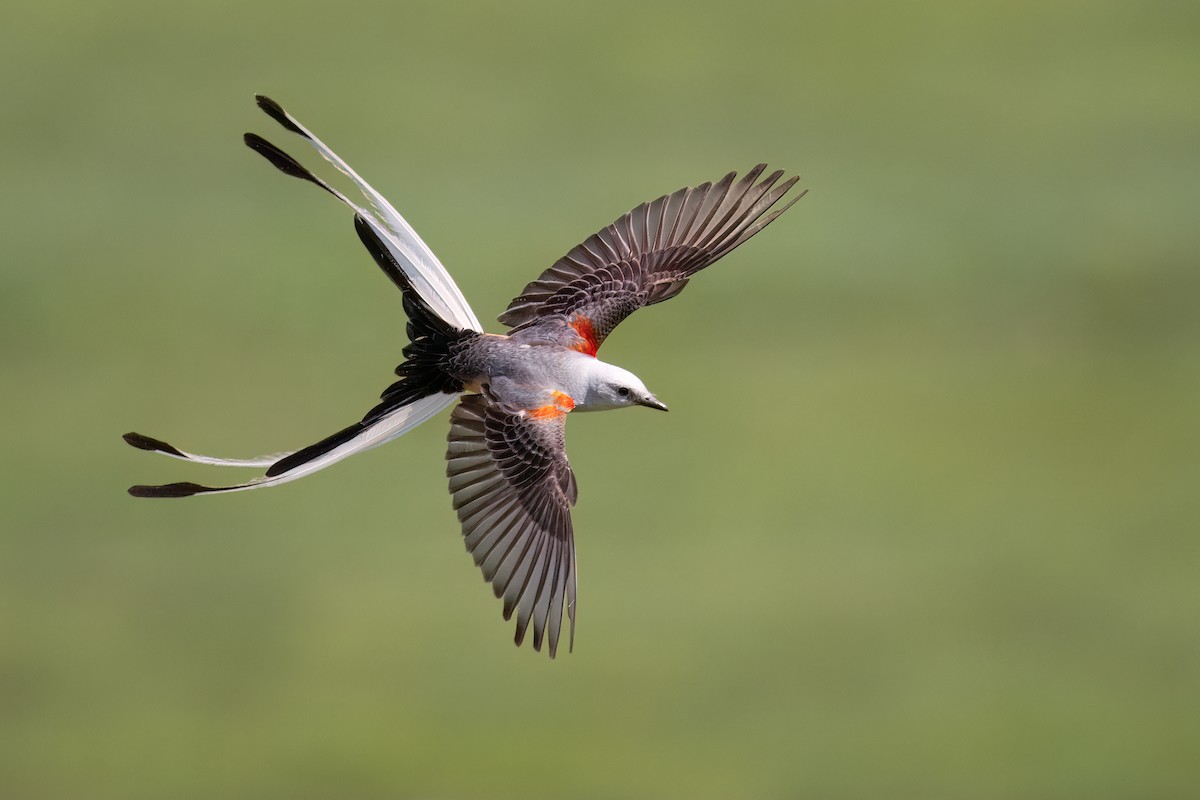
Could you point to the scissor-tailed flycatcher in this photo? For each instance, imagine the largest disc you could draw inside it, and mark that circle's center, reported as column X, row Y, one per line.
column 510, row 479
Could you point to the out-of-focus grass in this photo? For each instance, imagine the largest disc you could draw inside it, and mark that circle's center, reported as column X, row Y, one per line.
column 921, row 523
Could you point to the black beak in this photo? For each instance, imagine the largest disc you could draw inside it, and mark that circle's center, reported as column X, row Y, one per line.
column 650, row 401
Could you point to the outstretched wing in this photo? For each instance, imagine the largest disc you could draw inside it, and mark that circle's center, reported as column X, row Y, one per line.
column 643, row 258
column 513, row 490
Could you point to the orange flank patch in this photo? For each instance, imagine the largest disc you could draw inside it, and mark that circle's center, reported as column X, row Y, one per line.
column 559, row 408
column 587, row 334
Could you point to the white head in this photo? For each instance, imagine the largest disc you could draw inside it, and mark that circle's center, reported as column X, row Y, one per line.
column 609, row 386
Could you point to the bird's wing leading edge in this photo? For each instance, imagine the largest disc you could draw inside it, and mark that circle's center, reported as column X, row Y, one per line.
column 644, row 257
column 513, row 489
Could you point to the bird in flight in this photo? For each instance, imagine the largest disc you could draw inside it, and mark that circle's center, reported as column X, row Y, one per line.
column 510, row 479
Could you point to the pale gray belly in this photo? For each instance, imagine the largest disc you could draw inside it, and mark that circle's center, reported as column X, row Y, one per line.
column 518, row 372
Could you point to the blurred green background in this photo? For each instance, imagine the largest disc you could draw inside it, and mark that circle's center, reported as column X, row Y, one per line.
column 922, row 522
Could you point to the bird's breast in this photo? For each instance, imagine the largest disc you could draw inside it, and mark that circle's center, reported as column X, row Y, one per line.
column 546, row 368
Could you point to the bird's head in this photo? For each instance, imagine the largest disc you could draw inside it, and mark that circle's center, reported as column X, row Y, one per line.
column 609, row 386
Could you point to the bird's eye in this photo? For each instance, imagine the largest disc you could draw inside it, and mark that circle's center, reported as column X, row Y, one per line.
column 623, row 391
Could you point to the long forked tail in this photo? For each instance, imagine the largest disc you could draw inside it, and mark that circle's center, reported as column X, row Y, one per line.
column 409, row 253
column 439, row 317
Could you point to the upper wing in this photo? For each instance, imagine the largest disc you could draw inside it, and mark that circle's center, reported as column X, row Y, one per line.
column 513, row 490
column 645, row 257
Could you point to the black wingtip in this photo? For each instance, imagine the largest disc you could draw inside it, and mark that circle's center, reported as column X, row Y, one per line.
column 142, row 442
column 168, row 490
column 276, row 112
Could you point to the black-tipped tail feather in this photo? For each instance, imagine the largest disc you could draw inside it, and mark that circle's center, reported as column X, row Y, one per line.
column 424, row 371
column 276, row 112
column 306, row 454
column 143, row 442
column 432, row 339
column 170, row 490
column 426, row 385
column 286, row 164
